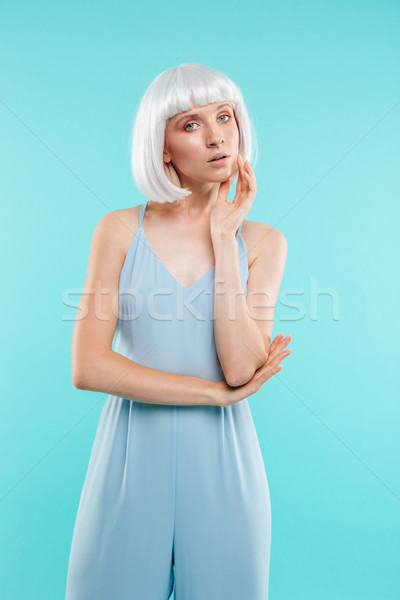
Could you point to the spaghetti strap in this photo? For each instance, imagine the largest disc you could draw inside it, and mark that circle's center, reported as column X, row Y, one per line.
column 141, row 213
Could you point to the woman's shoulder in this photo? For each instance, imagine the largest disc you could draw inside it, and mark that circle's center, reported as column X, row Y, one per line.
column 261, row 237
column 120, row 225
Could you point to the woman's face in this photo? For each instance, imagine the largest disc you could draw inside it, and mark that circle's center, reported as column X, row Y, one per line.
column 194, row 136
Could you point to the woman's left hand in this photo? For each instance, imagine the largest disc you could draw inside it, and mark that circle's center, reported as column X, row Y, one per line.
column 226, row 216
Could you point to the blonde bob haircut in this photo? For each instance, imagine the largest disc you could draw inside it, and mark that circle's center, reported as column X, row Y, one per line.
column 174, row 91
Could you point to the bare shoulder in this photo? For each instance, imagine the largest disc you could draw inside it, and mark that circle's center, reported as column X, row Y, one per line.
column 118, row 227
column 263, row 239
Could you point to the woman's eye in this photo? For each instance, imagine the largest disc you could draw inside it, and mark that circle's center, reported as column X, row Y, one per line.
column 193, row 123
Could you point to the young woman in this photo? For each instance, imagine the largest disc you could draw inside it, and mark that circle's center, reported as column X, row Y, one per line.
column 183, row 287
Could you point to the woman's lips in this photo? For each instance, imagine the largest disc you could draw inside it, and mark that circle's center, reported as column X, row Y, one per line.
column 220, row 161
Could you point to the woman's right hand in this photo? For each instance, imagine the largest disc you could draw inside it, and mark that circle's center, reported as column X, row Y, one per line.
column 230, row 395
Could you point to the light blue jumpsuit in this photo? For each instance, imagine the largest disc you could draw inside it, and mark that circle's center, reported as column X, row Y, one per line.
column 173, row 494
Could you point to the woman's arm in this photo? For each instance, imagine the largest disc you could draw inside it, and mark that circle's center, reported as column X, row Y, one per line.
column 95, row 366
column 113, row 373
column 243, row 325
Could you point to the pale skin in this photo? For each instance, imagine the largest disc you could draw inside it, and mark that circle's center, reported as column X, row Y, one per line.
column 205, row 225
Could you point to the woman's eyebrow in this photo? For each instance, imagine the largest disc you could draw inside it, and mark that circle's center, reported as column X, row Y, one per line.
column 196, row 115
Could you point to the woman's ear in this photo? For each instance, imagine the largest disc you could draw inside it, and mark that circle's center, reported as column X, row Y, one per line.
column 166, row 155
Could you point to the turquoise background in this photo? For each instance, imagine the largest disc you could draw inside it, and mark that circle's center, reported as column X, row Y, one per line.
column 321, row 83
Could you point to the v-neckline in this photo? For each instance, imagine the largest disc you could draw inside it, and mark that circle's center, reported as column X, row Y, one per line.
column 184, row 287
column 169, row 272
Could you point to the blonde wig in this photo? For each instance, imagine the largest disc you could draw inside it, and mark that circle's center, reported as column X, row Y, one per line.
column 170, row 93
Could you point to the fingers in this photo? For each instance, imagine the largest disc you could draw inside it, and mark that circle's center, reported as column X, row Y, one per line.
column 247, row 173
column 278, row 352
column 280, row 342
column 276, row 341
column 240, row 164
column 244, row 178
column 270, row 369
column 275, row 357
column 239, row 185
